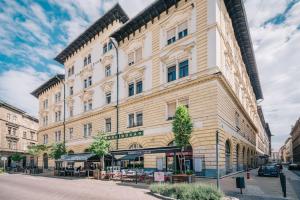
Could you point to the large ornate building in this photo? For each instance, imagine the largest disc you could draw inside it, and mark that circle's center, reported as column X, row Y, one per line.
column 295, row 133
column 18, row 130
column 125, row 77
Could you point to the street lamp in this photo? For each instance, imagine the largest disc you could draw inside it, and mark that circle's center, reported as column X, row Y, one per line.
column 115, row 44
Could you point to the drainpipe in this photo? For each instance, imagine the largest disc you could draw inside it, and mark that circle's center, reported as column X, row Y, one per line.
column 114, row 42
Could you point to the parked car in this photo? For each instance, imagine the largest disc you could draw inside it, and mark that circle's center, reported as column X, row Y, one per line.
column 268, row 170
column 294, row 167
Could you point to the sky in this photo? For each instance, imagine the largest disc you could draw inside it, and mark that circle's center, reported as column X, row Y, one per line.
column 33, row 32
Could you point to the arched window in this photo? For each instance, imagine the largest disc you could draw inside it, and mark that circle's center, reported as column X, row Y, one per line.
column 86, row 151
column 237, row 151
column 227, row 157
column 135, row 146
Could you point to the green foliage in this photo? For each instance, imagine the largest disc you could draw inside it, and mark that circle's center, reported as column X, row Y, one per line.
column 100, row 145
column 1, row 170
column 57, row 150
column 17, row 157
column 36, row 150
column 182, row 126
column 186, row 191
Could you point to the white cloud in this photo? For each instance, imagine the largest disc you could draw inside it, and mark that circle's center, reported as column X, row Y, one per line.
column 16, row 86
column 55, row 69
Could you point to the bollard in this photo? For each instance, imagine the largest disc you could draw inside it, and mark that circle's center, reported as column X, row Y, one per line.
column 283, row 183
column 248, row 175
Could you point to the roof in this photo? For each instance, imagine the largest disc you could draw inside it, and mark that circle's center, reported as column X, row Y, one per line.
column 51, row 82
column 79, row 157
column 237, row 14
column 15, row 109
column 115, row 13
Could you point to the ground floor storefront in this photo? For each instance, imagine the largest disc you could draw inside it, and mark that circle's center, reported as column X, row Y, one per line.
column 27, row 160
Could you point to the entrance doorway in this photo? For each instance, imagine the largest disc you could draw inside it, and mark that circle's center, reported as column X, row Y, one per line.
column 227, row 157
column 45, row 160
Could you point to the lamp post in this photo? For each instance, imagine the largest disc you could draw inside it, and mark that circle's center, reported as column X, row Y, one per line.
column 217, row 159
column 115, row 43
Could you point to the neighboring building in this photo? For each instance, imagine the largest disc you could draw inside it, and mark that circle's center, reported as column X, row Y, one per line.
column 195, row 53
column 295, row 133
column 275, row 156
column 288, row 150
column 18, row 130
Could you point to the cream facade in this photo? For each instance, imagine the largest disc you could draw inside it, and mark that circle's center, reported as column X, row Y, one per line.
column 187, row 53
column 18, row 130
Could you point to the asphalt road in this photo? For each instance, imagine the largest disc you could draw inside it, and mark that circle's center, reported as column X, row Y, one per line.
column 25, row 187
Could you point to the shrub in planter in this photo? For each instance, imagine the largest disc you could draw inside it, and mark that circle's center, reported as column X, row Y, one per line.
column 185, row 191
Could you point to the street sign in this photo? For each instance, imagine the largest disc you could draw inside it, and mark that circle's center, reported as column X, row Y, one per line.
column 3, row 158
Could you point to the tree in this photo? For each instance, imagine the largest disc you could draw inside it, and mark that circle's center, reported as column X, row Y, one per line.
column 36, row 150
column 57, row 150
column 17, row 157
column 182, row 128
column 100, row 147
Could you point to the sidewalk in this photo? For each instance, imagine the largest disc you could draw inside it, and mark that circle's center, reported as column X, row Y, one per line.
column 256, row 187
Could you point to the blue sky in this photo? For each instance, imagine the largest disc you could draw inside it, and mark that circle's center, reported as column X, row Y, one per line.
column 33, row 32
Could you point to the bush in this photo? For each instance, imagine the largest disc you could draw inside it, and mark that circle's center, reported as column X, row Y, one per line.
column 185, row 191
column 1, row 170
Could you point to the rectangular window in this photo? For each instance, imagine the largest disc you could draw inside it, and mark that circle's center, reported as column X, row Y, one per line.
column 108, row 125
column 31, row 135
column 139, row 119
column 184, row 69
column 69, row 72
column 87, row 129
column 131, row 58
column 90, row 102
column 71, row 90
column 72, row 70
column 139, row 87
column 130, row 120
column 171, row 110
column 171, row 36
column 57, row 97
column 108, row 98
column 70, row 133
column 45, row 139
column 45, row 104
column 89, row 59
column 71, row 111
column 85, row 83
column 131, row 89
column 138, row 54
column 85, row 106
column 171, row 73
column 107, row 71
column 9, row 130
column 24, row 135
column 90, row 81
column 110, row 45
column 182, row 30
column 237, row 120
column 104, row 48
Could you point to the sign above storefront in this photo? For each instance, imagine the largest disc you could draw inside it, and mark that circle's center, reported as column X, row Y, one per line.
column 125, row 135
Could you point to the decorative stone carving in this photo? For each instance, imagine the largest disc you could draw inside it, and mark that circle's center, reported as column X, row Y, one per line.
column 107, row 86
column 134, row 73
column 177, row 52
column 86, row 95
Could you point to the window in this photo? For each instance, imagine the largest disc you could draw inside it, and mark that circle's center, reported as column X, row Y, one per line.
column 107, row 71
column 32, row 135
column 14, row 131
column 24, row 135
column 131, row 89
column 85, row 61
column 45, row 139
column 110, row 45
column 108, row 97
column 57, row 116
column 57, row 136
column 57, row 97
column 184, row 69
column 131, row 58
column 45, row 120
column 171, row 73
column 139, row 119
column 182, row 30
column 184, row 102
column 90, row 102
column 9, row 130
column 88, row 105
column 89, row 59
column 139, row 87
column 71, row 90
column 237, row 120
column 138, row 54
column 130, row 120
column 90, row 81
column 171, row 110
column 108, row 125
column 87, row 82
column 8, row 117
column 87, row 129
column 171, row 36
column 71, row 111
column 70, row 133
column 45, row 104
column 104, row 48
column 71, row 71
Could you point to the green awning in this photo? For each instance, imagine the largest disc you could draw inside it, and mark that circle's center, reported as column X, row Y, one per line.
column 130, row 157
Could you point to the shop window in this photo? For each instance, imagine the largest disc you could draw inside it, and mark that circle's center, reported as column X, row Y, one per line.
column 131, row 89
column 171, row 36
column 184, row 69
column 108, row 125
column 139, row 87
column 108, row 97
column 171, row 73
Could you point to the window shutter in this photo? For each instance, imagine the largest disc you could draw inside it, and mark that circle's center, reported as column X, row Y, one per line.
column 171, row 33
column 138, row 54
column 131, row 58
column 182, row 26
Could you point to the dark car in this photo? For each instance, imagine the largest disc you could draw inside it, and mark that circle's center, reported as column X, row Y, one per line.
column 294, row 167
column 268, row 170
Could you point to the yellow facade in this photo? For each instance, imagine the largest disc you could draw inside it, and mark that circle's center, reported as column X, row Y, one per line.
column 220, row 97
